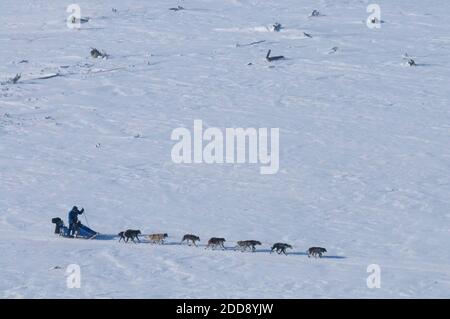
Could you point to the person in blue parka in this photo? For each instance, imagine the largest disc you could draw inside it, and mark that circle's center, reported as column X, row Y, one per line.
column 73, row 219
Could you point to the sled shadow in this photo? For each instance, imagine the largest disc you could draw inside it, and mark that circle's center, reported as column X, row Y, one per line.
column 106, row 237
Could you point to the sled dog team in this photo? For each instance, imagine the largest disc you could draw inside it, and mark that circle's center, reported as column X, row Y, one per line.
column 216, row 242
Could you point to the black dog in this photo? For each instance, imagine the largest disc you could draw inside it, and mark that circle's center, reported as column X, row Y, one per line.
column 129, row 234
column 316, row 251
column 280, row 248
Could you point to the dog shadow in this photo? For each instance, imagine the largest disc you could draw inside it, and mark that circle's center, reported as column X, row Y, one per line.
column 269, row 251
column 259, row 251
column 174, row 243
column 334, row 257
column 204, row 246
column 297, row 253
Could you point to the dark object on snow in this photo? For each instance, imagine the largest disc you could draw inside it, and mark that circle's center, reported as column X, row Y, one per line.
column 48, row 76
column 375, row 20
column 129, row 234
column 60, row 228
column 307, row 35
column 96, row 53
column 277, row 27
column 58, row 224
column 178, row 8
column 248, row 44
column 409, row 60
column 280, row 248
column 333, row 50
column 15, row 79
column 273, row 58
column 81, row 20
column 316, row 251
column 315, row 13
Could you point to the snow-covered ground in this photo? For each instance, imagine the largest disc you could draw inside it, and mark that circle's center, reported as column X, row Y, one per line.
column 364, row 147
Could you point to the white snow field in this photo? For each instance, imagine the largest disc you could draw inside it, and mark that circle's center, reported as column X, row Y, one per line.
column 364, row 147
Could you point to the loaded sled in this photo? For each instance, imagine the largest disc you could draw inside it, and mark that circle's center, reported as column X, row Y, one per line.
column 81, row 231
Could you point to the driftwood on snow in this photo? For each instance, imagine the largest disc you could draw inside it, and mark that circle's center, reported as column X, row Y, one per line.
column 248, row 44
column 97, row 54
column 177, row 8
column 273, row 58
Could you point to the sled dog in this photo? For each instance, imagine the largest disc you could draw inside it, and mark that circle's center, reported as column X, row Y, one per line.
column 280, row 248
column 129, row 234
column 316, row 251
column 244, row 244
column 216, row 242
column 157, row 238
column 190, row 237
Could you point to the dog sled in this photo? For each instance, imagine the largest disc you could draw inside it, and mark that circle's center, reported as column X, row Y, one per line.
column 81, row 231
